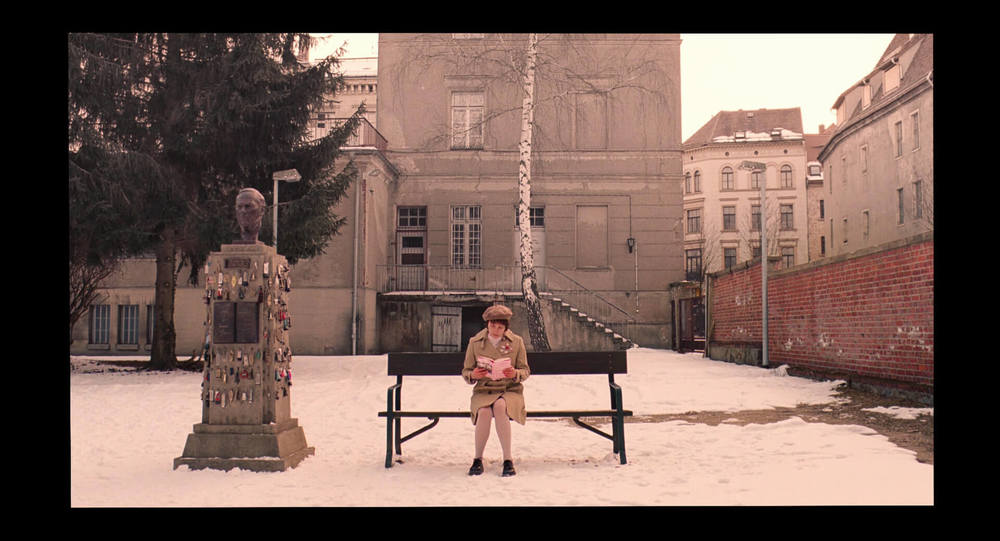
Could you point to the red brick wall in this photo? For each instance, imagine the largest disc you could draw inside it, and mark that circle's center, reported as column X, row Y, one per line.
column 866, row 316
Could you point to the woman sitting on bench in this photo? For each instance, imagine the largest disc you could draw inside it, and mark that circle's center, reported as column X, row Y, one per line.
column 497, row 394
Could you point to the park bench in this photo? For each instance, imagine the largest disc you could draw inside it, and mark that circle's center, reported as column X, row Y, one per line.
column 541, row 363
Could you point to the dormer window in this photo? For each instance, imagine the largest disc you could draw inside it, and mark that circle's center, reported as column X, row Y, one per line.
column 866, row 95
column 892, row 78
column 740, row 135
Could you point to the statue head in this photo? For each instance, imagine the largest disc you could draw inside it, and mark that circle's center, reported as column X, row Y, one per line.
column 250, row 206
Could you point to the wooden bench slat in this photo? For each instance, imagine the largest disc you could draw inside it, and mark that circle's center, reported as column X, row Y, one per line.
column 569, row 413
column 549, row 362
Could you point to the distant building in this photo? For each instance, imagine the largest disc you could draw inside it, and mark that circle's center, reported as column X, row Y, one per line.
column 722, row 204
column 879, row 163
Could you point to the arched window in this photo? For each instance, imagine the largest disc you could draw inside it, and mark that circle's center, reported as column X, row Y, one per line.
column 727, row 179
column 755, row 178
column 697, row 182
column 687, row 183
column 786, row 176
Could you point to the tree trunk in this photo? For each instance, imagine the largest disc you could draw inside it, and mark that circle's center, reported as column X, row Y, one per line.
column 163, row 356
column 529, row 284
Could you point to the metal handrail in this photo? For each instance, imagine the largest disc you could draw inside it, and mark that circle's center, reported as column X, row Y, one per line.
column 501, row 279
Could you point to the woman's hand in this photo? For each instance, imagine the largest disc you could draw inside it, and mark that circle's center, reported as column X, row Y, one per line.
column 508, row 372
column 479, row 373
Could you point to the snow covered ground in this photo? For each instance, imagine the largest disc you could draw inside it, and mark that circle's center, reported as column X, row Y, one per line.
column 126, row 428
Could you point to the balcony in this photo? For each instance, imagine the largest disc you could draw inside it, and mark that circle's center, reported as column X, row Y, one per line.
column 365, row 136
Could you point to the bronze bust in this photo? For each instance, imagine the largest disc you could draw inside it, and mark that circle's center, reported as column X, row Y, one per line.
column 250, row 206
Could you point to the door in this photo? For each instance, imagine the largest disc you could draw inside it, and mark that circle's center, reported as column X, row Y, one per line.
column 447, row 328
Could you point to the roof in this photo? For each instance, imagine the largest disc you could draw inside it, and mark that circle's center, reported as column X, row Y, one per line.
column 725, row 125
column 359, row 67
column 919, row 46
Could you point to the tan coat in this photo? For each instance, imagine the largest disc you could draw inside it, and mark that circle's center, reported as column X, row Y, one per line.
column 486, row 391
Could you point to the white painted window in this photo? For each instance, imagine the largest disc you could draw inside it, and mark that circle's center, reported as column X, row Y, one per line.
column 467, row 120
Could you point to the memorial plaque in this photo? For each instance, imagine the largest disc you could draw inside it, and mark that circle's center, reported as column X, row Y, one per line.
column 235, row 323
column 246, row 322
column 237, row 262
column 224, row 323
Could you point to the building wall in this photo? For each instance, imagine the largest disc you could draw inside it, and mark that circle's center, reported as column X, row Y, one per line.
column 867, row 317
column 623, row 166
column 865, row 170
column 865, row 194
column 710, row 161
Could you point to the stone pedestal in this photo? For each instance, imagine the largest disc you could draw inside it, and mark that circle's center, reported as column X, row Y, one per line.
column 247, row 379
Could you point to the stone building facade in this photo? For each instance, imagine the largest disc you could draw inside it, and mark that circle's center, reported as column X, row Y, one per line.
column 879, row 163
column 722, row 204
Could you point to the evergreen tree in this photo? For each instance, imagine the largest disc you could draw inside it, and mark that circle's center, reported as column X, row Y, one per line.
column 165, row 129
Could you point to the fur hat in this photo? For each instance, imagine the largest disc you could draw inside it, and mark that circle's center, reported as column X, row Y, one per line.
column 497, row 311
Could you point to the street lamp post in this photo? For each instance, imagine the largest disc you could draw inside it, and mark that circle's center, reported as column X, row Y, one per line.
column 757, row 166
column 287, row 175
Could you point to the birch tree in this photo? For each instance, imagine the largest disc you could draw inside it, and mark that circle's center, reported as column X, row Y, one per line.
column 529, row 284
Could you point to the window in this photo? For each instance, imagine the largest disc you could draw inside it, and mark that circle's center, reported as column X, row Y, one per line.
column 128, row 324
column 899, row 198
column 822, row 245
column 754, row 250
column 915, row 119
column 536, row 217
column 697, row 182
column 729, row 255
column 918, row 199
column 822, row 210
column 466, row 237
column 592, row 236
column 891, row 78
column 786, row 176
column 729, row 218
column 467, row 120
column 866, row 95
column 787, row 218
column 687, row 182
column 865, row 224
column 899, row 138
column 755, row 217
column 864, row 158
column 845, row 230
column 412, row 217
column 843, row 166
column 727, row 178
column 787, row 256
column 411, row 235
column 591, row 121
column 692, row 264
column 100, row 323
column 755, row 177
column 694, row 221
column 150, row 321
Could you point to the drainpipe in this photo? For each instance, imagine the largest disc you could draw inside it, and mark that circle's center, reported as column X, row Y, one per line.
column 354, row 286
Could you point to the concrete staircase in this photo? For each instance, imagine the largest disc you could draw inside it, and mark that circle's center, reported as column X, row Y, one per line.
column 588, row 322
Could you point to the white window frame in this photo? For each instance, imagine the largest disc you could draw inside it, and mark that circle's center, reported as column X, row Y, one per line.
column 128, row 324
column 468, row 118
column 100, row 324
column 466, row 236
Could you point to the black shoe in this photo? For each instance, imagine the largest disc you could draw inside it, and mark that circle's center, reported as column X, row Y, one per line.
column 477, row 466
column 508, row 468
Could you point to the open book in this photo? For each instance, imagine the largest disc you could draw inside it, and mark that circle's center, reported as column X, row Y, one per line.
column 495, row 367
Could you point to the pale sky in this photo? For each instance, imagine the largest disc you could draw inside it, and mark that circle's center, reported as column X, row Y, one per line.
column 726, row 72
